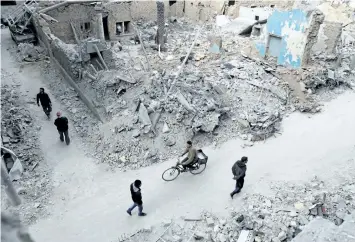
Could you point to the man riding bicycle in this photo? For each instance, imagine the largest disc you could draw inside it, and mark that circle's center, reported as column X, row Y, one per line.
column 191, row 156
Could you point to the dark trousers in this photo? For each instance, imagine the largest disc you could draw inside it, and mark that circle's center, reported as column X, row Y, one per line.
column 47, row 109
column 140, row 208
column 189, row 165
column 65, row 134
column 238, row 185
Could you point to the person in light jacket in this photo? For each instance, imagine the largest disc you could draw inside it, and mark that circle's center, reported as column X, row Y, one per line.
column 239, row 169
column 191, row 156
column 137, row 198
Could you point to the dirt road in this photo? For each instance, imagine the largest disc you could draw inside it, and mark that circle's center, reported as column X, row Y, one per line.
column 89, row 203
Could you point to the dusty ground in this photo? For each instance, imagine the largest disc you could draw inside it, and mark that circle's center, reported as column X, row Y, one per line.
column 87, row 196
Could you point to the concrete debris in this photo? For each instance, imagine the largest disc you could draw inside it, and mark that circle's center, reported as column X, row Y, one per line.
column 29, row 52
column 208, row 123
column 184, row 102
column 152, row 109
column 13, row 229
column 210, row 222
column 135, row 133
column 256, row 220
column 143, row 115
column 199, row 236
column 211, row 99
column 20, row 134
column 321, row 229
column 222, row 20
column 170, row 141
column 246, row 236
column 16, row 171
column 282, row 236
column 165, row 128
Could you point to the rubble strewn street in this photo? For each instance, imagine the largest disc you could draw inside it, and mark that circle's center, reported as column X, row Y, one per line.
column 280, row 217
column 215, row 95
column 269, row 80
column 20, row 134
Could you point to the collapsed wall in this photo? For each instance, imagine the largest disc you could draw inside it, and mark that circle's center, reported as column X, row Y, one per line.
column 312, row 34
column 328, row 38
column 64, row 57
column 211, row 101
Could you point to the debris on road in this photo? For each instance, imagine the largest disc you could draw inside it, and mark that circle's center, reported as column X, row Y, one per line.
column 256, row 220
column 20, row 135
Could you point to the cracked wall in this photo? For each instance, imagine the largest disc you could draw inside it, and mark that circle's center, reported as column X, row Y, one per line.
column 81, row 15
column 328, row 38
column 289, row 37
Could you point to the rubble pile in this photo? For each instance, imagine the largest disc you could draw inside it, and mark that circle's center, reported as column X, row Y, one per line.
column 70, row 52
column 330, row 76
column 29, row 52
column 220, row 94
column 19, row 133
column 267, row 218
column 336, row 70
column 211, row 98
column 285, row 215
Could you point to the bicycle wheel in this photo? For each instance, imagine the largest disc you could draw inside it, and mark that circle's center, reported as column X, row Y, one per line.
column 198, row 168
column 170, row 174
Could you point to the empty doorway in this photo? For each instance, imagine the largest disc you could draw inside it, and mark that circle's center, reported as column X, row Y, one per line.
column 105, row 23
column 274, row 46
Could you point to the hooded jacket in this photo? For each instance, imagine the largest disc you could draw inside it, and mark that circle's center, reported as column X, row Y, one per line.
column 136, row 194
column 239, row 169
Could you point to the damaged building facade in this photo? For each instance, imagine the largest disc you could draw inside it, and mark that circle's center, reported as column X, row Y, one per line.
column 288, row 36
column 107, row 53
column 110, row 21
column 115, row 19
column 145, row 103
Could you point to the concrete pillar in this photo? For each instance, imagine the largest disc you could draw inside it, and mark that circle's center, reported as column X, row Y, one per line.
column 100, row 34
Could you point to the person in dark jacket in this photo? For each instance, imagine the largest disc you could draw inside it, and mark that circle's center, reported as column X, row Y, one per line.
column 137, row 198
column 62, row 127
column 239, row 169
column 45, row 101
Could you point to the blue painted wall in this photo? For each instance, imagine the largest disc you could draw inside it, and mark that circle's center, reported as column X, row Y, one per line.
column 298, row 21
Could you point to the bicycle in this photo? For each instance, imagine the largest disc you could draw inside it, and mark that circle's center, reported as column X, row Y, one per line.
column 196, row 168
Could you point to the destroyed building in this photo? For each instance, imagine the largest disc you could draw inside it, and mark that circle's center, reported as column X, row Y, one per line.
column 289, row 36
column 228, row 69
column 107, row 52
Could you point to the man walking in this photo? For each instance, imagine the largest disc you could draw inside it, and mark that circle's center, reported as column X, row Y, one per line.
column 137, row 198
column 62, row 127
column 239, row 169
column 45, row 102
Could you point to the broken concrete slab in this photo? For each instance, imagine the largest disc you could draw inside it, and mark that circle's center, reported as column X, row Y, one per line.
column 215, row 44
column 170, row 141
column 246, row 236
column 331, row 75
column 318, row 229
column 182, row 100
column 143, row 115
column 90, row 43
column 210, row 222
column 16, row 171
column 222, row 20
column 5, row 140
column 199, row 235
column 112, row 77
column 208, row 123
column 165, row 128
column 135, row 133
